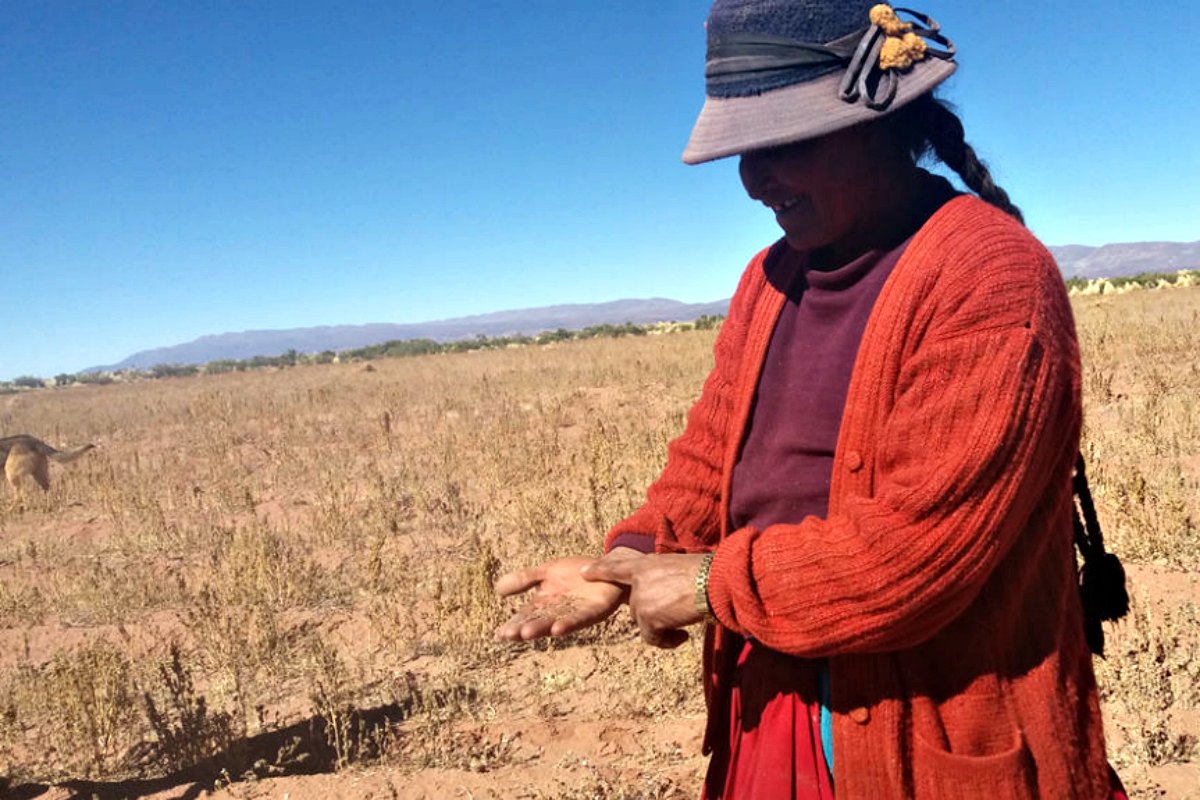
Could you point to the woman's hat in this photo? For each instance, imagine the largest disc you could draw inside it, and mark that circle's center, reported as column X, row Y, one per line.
column 782, row 71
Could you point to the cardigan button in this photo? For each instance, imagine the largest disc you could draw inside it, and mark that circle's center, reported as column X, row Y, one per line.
column 861, row 715
column 854, row 460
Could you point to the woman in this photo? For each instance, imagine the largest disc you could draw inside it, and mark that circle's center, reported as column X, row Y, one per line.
column 871, row 503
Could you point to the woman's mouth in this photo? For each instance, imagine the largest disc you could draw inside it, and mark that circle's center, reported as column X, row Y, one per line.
column 780, row 208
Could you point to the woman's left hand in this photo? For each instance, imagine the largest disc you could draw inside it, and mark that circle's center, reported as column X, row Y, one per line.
column 662, row 593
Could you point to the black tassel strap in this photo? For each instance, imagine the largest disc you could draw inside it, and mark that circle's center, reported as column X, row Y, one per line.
column 1102, row 578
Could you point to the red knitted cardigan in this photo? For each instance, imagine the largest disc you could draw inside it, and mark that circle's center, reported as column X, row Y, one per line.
column 941, row 585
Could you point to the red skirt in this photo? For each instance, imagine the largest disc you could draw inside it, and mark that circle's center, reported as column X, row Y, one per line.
column 774, row 731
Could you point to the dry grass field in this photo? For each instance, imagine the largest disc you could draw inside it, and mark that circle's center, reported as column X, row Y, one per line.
column 278, row 583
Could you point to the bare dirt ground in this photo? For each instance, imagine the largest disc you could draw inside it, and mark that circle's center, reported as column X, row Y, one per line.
column 278, row 584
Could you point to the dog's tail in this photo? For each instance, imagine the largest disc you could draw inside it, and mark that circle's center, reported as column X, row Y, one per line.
column 63, row 456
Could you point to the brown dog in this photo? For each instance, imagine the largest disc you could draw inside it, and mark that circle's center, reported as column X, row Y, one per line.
column 25, row 456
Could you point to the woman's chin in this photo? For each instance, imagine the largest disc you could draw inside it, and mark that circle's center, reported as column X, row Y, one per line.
column 799, row 230
column 800, row 241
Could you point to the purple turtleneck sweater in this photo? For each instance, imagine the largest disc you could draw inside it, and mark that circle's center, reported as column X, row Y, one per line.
column 786, row 463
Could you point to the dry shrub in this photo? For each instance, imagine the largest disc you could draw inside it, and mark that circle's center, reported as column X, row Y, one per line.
column 465, row 604
column 1152, row 672
column 186, row 730
column 241, row 645
column 21, row 604
column 254, row 564
column 335, row 701
column 422, row 723
column 78, row 712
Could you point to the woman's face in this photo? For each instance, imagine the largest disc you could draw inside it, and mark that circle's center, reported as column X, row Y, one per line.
column 825, row 192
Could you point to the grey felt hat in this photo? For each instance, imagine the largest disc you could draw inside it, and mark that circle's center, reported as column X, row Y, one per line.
column 782, row 71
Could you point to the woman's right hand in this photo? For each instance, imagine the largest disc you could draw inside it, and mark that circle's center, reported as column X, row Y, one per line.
column 561, row 601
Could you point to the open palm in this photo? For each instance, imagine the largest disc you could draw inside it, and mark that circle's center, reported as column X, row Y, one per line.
column 561, row 600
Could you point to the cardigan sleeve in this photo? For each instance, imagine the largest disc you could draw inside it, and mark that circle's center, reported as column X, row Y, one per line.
column 985, row 418
column 683, row 505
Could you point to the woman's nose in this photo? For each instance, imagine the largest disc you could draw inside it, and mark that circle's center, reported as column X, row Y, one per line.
column 754, row 169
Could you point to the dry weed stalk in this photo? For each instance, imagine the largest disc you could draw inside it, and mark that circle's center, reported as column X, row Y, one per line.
column 186, row 730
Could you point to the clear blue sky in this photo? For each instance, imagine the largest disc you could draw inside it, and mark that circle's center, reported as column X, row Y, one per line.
column 175, row 169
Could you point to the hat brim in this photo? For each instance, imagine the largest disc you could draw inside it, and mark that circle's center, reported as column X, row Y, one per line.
column 729, row 126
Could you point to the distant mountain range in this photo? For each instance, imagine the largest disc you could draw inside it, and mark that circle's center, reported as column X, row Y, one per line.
column 247, row 344
column 1075, row 261
column 1115, row 260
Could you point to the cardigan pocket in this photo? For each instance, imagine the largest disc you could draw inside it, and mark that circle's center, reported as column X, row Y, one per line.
column 979, row 750
column 1008, row 775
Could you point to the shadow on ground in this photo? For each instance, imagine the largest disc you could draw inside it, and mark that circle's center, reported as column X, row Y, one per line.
column 299, row 749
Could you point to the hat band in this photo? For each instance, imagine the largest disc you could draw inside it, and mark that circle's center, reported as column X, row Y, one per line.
column 736, row 54
column 746, row 64
column 767, row 61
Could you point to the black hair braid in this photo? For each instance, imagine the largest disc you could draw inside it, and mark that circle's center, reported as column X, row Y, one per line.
column 1102, row 577
column 944, row 132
